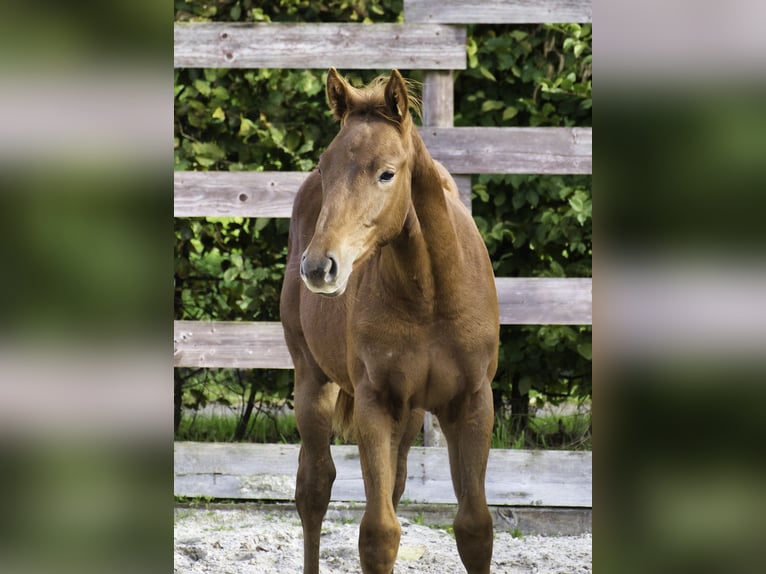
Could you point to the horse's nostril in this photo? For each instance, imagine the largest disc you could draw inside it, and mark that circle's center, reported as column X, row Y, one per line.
column 331, row 268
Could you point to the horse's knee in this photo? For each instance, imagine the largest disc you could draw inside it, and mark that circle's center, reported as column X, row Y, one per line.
column 313, row 486
column 474, row 534
column 473, row 526
column 378, row 543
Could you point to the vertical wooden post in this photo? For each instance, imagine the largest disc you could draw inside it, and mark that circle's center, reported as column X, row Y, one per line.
column 438, row 111
column 438, row 99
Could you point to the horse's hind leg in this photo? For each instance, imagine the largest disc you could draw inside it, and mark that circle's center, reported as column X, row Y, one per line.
column 314, row 404
column 467, row 425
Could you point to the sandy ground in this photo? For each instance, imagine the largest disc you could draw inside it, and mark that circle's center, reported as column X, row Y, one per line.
column 243, row 540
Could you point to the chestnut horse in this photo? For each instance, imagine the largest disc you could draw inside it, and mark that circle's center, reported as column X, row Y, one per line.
column 389, row 309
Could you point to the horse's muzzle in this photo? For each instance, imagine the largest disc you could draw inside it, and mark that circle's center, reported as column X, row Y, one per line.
column 320, row 273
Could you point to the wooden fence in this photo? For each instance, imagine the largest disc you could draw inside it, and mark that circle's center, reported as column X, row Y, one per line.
column 267, row 472
column 428, row 41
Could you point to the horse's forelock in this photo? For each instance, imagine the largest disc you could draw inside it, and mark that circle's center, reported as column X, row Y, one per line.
column 371, row 99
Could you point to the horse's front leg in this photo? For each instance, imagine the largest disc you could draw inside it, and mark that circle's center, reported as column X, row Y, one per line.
column 411, row 430
column 314, row 404
column 379, row 532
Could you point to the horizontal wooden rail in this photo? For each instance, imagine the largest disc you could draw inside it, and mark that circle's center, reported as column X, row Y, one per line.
column 353, row 46
column 230, row 344
column 462, row 150
column 497, row 11
column 261, row 344
column 267, row 472
column 235, row 193
column 545, row 301
column 511, row 150
column 248, row 193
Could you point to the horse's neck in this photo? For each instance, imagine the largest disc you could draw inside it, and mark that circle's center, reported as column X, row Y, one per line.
column 428, row 247
column 433, row 209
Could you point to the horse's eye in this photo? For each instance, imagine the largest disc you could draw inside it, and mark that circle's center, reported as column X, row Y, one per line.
column 386, row 176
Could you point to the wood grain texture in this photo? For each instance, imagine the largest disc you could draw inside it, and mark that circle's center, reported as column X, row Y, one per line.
column 231, row 344
column 438, row 98
column 235, row 194
column 511, row 150
column 249, row 193
column 545, row 301
column 461, row 150
column 284, row 45
column 267, row 472
column 497, row 11
column 261, row 344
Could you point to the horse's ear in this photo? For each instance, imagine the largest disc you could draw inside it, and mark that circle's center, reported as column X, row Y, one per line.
column 337, row 94
column 397, row 99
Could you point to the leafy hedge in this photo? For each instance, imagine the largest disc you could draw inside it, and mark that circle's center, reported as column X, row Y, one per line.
column 534, row 226
column 270, row 119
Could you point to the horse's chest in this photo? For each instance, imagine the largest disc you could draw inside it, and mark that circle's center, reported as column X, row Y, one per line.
column 429, row 365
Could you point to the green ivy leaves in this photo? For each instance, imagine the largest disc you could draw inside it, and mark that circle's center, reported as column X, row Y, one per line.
column 236, row 120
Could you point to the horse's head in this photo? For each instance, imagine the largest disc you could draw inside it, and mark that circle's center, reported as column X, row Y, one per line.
column 365, row 175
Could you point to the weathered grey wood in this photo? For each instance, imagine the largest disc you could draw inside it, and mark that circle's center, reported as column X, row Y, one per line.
column 438, row 99
column 545, row 301
column 511, row 150
column 232, row 344
column 432, row 431
column 462, row 150
column 253, row 471
column 284, row 45
column 248, row 193
column 497, row 11
column 235, row 194
column 261, row 344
